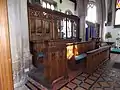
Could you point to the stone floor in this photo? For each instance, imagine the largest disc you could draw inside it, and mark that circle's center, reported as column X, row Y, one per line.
column 104, row 78
column 22, row 88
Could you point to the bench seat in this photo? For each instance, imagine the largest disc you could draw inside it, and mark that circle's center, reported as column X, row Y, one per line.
column 41, row 54
column 80, row 57
column 115, row 50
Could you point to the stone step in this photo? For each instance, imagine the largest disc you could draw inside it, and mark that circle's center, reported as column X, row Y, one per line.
column 36, row 77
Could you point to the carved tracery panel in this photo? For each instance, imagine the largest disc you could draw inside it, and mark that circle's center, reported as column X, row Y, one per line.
column 46, row 24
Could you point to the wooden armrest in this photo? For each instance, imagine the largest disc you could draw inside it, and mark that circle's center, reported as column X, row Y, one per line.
column 90, row 52
column 99, row 49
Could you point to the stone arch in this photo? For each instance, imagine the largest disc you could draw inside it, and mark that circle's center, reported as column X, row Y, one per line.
column 91, row 4
column 68, row 12
column 91, row 12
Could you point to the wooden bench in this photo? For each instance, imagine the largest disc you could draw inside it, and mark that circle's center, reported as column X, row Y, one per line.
column 89, row 55
column 50, row 60
column 79, row 52
column 96, row 57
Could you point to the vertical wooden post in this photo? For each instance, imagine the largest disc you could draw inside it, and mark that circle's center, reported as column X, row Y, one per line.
column 78, row 29
column 6, row 82
column 66, row 29
column 72, row 31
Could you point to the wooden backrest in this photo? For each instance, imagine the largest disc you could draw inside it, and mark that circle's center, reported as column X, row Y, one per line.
column 85, row 46
column 56, row 64
column 95, row 57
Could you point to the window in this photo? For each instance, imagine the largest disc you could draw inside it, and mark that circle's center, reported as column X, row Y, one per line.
column 52, row 7
column 48, row 6
column 68, row 12
column 69, row 30
column 117, row 13
column 91, row 13
column 44, row 5
column 118, row 4
column 68, row 27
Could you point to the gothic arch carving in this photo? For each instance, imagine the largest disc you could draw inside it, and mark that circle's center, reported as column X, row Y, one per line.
column 91, row 12
column 68, row 12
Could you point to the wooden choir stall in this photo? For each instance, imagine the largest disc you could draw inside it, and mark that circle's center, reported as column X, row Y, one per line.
column 56, row 47
column 49, row 31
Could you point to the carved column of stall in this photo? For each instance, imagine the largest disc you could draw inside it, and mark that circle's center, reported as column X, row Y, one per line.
column 18, row 24
column 81, row 13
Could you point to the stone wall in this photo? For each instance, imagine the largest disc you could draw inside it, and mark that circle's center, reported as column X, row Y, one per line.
column 65, row 5
column 19, row 40
column 114, row 31
column 82, row 12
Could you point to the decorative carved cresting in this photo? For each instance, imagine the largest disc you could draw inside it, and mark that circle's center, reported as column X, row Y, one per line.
column 46, row 24
column 40, row 24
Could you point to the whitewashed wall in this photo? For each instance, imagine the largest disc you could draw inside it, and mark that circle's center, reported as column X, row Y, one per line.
column 114, row 31
column 19, row 40
column 65, row 5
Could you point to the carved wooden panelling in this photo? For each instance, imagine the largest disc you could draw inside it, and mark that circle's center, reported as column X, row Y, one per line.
column 38, row 26
column 56, row 61
column 46, row 24
column 46, row 36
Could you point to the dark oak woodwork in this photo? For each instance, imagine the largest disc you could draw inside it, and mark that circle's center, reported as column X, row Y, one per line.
column 6, row 81
column 45, row 24
column 45, row 37
column 98, row 42
column 55, row 61
column 96, row 57
column 82, row 47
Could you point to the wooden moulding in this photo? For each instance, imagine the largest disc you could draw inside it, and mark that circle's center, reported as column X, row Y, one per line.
column 39, row 8
column 6, row 81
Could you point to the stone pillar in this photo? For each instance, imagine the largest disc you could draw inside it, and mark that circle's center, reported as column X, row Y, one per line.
column 81, row 12
column 27, row 57
column 82, row 28
column 19, row 40
column 101, row 15
column 113, row 11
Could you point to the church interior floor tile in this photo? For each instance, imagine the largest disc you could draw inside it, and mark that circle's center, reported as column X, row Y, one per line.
column 104, row 78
